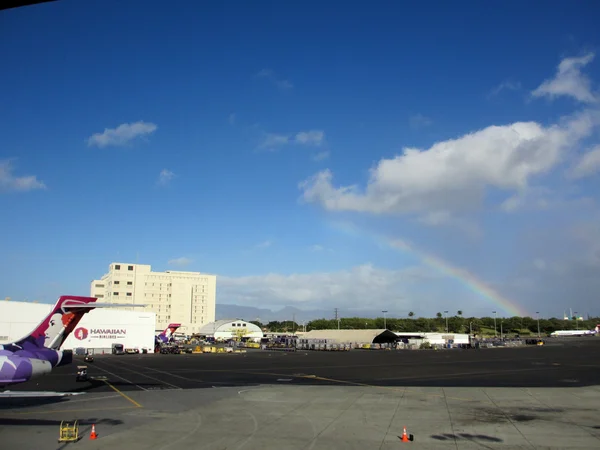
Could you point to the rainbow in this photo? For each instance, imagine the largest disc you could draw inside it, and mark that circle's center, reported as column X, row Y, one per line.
column 467, row 279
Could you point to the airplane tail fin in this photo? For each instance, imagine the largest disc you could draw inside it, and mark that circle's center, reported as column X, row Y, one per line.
column 166, row 335
column 59, row 323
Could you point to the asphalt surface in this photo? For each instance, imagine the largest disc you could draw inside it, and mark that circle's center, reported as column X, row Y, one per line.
column 529, row 397
column 566, row 363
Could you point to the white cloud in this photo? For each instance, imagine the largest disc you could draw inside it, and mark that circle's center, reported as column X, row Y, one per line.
column 264, row 244
column 588, row 164
column 539, row 263
column 316, row 248
column 121, row 135
column 321, row 156
column 505, row 85
column 272, row 140
column 183, row 261
column 452, row 176
column 311, row 138
column 165, row 176
column 362, row 287
column 419, row 121
column 11, row 183
column 569, row 81
column 231, row 119
column 270, row 75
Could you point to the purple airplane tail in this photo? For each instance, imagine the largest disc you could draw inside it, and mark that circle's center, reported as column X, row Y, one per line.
column 165, row 336
column 59, row 323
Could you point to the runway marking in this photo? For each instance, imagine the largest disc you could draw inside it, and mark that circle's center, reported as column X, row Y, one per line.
column 56, row 411
column 170, row 374
column 124, row 379
column 454, row 375
column 148, row 376
column 366, row 364
column 125, row 396
column 395, row 389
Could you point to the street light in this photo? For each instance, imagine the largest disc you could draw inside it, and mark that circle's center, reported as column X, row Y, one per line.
column 495, row 327
column 471, row 328
column 384, row 319
column 446, row 314
column 538, row 321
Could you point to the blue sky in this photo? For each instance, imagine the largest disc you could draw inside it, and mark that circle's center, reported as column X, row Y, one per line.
column 239, row 139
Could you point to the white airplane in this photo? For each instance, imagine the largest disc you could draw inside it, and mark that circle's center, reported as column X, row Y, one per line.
column 39, row 352
column 559, row 333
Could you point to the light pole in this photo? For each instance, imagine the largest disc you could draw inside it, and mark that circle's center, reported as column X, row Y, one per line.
column 501, row 334
column 384, row 319
column 538, row 321
column 471, row 328
column 495, row 327
column 446, row 314
column 576, row 322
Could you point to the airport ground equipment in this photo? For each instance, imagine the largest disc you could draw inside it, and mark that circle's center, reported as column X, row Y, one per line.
column 68, row 432
column 82, row 373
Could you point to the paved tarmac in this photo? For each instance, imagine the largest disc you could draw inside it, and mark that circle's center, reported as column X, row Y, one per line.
column 534, row 397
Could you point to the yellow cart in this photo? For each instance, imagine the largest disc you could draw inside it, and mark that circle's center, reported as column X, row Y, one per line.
column 69, row 432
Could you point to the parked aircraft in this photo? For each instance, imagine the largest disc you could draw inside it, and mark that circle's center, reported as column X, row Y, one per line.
column 38, row 353
column 560, row 333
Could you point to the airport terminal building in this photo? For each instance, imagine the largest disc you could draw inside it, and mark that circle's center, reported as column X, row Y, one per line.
column 97, row 331
column 187, row 298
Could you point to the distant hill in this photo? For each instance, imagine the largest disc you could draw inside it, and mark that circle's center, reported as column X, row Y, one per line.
column 248, row 313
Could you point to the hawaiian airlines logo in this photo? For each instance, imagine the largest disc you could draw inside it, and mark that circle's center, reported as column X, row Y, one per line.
column 81, row 333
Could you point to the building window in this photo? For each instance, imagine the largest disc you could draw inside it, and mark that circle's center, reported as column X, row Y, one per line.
column 129, row 294
column 129, row 283
column 244, row 324
column 99, row 285
column 233, row 324
column 117, row 267
column 100, row 295
column 129, row 267
column 116, row 282
column 115, row 293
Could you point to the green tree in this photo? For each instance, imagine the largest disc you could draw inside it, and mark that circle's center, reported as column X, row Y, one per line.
column 411, row 314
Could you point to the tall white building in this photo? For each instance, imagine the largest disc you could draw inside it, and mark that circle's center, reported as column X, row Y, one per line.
column 175, row 297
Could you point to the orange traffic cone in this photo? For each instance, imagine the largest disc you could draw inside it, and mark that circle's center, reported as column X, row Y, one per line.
column 404, row 437
column 93, row 434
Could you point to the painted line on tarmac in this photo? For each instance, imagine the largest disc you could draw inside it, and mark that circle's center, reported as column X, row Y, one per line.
column 125, row 396
column 118, row 376
column 148, row 376
column 58, row 411
column 395, row 389
column 172, row 375
column 365, row 365
column 462, row 374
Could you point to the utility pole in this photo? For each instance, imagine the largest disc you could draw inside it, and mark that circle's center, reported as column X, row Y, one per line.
column 384, row 319
column 294, row 323
column 495, row 327
column 576, row 321
column 538, row 321
column 501, row 333
column 446, row 314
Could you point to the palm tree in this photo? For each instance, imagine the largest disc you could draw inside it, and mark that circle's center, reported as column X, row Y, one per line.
column 439, row 315
column 459, row 312
column 410, row 314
